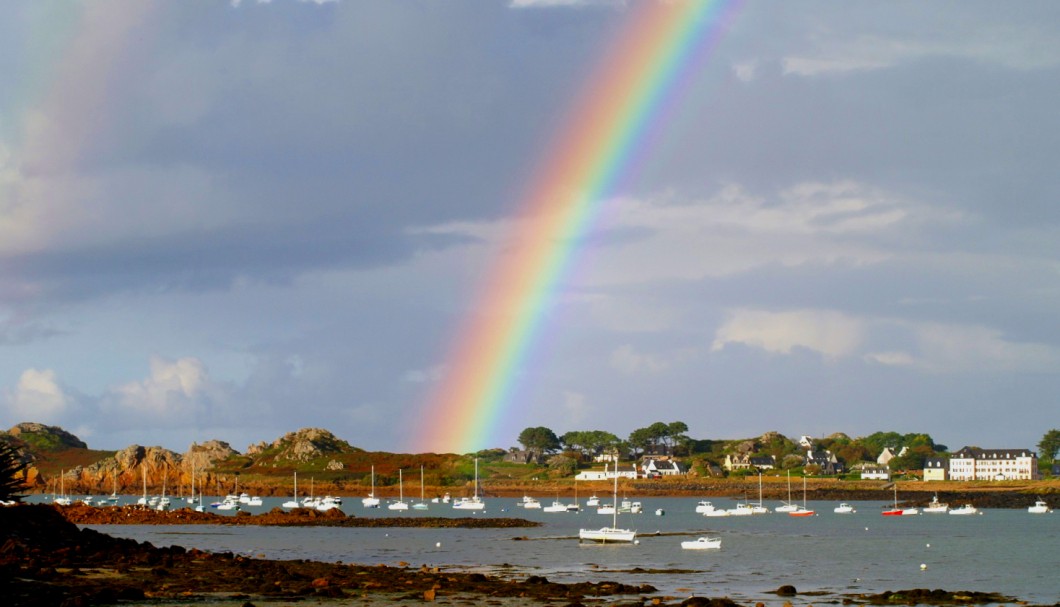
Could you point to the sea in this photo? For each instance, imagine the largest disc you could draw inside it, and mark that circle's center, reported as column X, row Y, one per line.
column 831, row 556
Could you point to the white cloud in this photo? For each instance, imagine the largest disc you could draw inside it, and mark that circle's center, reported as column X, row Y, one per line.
column 928, row 347
column 628, row 360
column 830, row 333
column 746, row 71
column 39, row 397
column 961, row 348
column 1022, row 47
column 174, row 389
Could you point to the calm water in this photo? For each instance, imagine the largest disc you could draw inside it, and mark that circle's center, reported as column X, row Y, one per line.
column 1007, row 551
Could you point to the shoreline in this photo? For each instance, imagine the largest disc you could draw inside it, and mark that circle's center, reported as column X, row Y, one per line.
column 47, row 560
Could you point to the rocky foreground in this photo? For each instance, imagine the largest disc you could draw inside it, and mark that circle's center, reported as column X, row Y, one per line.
column 46, row 560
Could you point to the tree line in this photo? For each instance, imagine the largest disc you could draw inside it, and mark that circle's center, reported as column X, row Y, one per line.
column 672, row 439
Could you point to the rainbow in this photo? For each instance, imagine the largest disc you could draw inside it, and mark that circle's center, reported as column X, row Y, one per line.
column 625, row 103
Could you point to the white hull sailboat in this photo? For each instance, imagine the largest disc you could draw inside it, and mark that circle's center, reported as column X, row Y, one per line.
column 401, row 504
column 422, row 504
column 471, row 503
column 62, row 499
column 293, row 503
column 788, row 506
column 371, row 501
column 612, row 534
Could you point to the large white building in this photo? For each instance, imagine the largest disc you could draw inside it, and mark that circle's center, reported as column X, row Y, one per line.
column 974, row 464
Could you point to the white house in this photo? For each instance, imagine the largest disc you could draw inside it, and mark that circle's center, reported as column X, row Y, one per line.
column 606, row 474
column 936, row 469
column 974, row 464
column 888, row 454
column 876, row 472
column 661, row 467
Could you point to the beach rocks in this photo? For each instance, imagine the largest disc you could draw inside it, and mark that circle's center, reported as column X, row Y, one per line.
column 925, row 596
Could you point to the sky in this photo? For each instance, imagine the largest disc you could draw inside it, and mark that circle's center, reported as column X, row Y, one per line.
column 232, row 220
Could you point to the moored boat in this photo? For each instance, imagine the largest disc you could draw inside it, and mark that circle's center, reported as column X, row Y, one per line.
column 965, row 509
column 702, row 543
column 936, row 507
column 1039, row 507
column 612, row 534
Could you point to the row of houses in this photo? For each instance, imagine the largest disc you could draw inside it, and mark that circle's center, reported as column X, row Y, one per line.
column 975, row 464
column 649, row 468
column 968, row 464
column 825, row 460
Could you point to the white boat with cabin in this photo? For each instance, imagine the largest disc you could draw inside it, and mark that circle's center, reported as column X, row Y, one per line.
column 702, row 543
column 1039, row 507
column 965, row 510
column 936, row 507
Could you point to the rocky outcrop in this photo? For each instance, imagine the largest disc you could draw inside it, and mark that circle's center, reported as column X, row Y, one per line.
column 127, row 470
column 46, row 438
column 307, row 444
column 204, row 456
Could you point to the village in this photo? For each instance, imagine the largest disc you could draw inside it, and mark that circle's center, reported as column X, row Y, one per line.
column 670, row 454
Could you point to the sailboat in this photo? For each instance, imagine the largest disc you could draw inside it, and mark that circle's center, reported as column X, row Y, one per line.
column 143, row 500
column 163, row 502
column 371, row 501
column 62, row 499
column 788, row 506
column 113, row 499
column 422, row 504
column 401, row 504
column 896, row 511
column 613, row 533
column 803, row 510
column 474, row 502
column 759, row 508
column 293, row 502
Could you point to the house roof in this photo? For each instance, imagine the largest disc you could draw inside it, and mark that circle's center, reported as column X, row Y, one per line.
column 977, row 453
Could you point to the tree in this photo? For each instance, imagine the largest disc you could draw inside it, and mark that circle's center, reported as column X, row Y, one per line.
column 1049, row 445
column 539, row 439
column 676, row 434
column 639, row 440
column 12, row 473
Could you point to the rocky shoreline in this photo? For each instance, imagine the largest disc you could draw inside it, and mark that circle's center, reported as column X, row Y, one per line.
column 47, row 560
